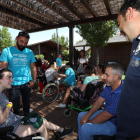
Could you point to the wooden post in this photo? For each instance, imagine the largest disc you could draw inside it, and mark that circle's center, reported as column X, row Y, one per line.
column 39, row 49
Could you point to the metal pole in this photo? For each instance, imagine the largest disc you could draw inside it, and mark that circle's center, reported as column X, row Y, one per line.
column 71, row 52
column 57, row 42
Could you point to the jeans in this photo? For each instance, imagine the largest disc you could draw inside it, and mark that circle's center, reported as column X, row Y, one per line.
column 119, row 138
column 88, row 130
column 14, row 96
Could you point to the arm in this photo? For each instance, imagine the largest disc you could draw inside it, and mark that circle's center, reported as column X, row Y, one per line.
column 4, row 114
column 34, row 73
column 4, row 65
column 101, row 118
column 63, row 75
column 86, row 60
column 83, row 87
column 97, row 104
column 33, row 70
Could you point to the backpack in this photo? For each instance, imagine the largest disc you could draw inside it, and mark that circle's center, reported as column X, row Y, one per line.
column 93, row 91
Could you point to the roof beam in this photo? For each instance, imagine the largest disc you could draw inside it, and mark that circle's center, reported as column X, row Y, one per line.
column 24, row 23
column 84, row 21
column 89, row 8
column 19, row 21
column 107, row 5
column 55, row 8
column 15, row 7
column 72, row 8
column 32, row 7
column 11, row 24
column 20, row 16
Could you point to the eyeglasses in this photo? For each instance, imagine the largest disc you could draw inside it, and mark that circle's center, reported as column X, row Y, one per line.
column 25, row 34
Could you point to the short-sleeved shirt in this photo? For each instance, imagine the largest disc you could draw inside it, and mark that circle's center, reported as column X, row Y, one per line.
column 12, row 120
column 59, row 62
column 19, row 63
column 50, row 74
column 129, row 103
column 89, row 79
column 70, row 79
column 112, row 99
column 83, row 60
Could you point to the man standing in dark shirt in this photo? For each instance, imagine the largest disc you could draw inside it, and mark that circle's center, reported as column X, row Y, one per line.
column 128, row 117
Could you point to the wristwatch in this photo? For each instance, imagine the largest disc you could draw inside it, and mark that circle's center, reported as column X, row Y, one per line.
column 34, row 80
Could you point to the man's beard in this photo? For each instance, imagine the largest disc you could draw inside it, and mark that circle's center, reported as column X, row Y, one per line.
column 21, row 48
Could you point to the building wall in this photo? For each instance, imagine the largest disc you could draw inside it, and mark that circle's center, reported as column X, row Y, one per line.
column 46, row 50
column 115, row 52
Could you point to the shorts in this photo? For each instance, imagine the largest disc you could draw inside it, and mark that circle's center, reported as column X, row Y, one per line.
column 65, row 83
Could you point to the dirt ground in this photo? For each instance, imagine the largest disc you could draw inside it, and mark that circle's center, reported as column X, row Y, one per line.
column 54, row 115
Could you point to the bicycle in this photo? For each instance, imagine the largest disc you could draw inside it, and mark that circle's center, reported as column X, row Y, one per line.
column 52, row 91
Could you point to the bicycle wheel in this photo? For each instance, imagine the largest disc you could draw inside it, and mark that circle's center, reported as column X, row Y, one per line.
column 50, row 93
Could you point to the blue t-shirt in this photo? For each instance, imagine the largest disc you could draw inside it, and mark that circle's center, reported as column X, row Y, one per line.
column 112, row 99
column 70, row 79
column 19, row 63
column 89, row 79
column 59, row 62
column 128, row 120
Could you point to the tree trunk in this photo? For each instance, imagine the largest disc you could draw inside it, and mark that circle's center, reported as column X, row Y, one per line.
column 97, row 56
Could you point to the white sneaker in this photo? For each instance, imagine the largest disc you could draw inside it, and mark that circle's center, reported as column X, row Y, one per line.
column 61, row 105
column 30, row 110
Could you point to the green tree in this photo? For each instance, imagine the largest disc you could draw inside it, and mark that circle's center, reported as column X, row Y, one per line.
column 62, row 40
column 5, row 38
column 65, row 55
column 41, row 56
column 97, row 34
column 79, row 41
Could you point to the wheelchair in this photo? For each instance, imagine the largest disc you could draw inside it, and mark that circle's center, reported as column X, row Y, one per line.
column 83, row 101
column 52, row 91
column 6, row 134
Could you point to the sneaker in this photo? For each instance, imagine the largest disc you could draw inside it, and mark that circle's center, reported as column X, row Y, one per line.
column 66, row 131
column 61, row 105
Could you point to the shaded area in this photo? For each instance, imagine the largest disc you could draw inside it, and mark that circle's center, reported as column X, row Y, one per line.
column 54, row 115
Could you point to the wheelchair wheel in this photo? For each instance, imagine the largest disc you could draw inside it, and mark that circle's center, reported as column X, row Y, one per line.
column 50, row 93
column 67, row 113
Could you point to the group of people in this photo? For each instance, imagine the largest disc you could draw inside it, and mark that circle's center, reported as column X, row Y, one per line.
column 121, row 113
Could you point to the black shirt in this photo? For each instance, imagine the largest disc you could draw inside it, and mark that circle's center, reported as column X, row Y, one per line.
column 128, row 113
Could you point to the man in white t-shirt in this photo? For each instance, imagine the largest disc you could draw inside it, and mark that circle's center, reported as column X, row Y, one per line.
column 51, row 73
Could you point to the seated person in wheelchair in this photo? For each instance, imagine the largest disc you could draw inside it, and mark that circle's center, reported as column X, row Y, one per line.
column 81, row 77
column 90, row 72
column 8, row 118
column 69, row 76
column 103, row 122
column 51, row 73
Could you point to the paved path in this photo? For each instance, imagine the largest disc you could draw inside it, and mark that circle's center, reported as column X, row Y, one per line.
column 54, row 115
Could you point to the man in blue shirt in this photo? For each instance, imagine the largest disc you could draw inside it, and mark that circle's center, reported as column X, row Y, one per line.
column 128, row 120
column 103, row 122
column 21, row 61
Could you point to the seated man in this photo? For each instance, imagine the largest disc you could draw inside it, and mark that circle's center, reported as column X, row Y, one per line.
column 103, row 122
column 90, row 72
column 69, row 76
column 50, row 73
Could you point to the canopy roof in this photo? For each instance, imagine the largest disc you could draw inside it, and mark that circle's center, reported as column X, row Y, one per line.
column 39, row 15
